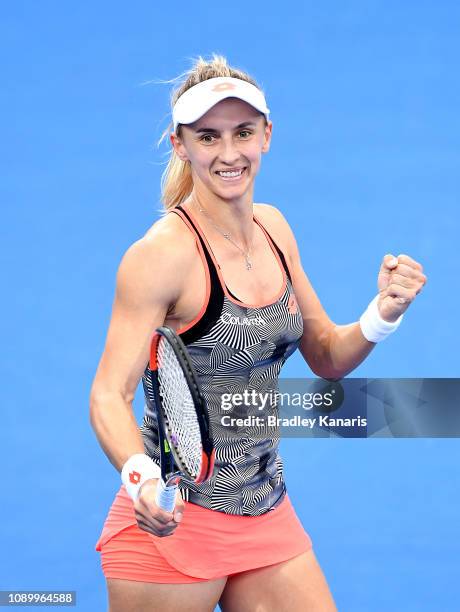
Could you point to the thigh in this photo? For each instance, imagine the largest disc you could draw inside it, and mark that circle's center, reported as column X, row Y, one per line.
column 297, row 585
column 139, row 578
column 134, row 596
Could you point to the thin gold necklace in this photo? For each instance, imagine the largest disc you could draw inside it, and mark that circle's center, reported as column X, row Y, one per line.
column 227, row 236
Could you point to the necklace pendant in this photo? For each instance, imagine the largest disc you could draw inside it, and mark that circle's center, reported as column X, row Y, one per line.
column 227, row 236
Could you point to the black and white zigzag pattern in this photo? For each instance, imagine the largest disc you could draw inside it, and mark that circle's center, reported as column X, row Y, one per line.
column 232, row 357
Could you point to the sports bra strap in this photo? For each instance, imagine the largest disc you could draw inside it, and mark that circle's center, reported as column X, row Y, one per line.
column 278, row 250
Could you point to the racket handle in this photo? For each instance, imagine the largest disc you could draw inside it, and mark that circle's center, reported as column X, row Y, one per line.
column 166, row 496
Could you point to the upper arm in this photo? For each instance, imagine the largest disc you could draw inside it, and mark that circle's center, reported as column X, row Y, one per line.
column 149, row 280
column 317, row 325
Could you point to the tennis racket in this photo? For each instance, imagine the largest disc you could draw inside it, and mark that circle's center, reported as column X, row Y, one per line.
column 186, row 448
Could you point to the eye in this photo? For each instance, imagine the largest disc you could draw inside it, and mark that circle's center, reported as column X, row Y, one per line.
column 207, row 136
column 245, row 132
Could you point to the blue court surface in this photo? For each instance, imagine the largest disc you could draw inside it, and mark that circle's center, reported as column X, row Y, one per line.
column 364, row 97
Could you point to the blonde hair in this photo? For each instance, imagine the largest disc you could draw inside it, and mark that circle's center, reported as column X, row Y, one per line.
column 176, row 180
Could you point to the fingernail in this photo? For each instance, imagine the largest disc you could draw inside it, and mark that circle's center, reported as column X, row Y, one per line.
column 393, row 262
column 178, row 517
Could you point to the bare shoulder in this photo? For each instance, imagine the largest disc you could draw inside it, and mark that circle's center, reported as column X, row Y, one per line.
column 170, row 234
column 158, row 263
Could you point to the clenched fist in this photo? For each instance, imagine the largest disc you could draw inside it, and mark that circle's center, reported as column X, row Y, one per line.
column 399, row 281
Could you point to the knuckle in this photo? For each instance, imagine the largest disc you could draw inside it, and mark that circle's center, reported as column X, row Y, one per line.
column 403, row 280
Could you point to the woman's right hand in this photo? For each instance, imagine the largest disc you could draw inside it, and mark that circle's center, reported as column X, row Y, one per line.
column 151, row 517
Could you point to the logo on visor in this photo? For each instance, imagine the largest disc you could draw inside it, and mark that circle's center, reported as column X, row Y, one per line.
column 223, row 87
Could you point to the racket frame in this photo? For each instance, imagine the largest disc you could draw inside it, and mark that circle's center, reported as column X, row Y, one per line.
column 173, row 468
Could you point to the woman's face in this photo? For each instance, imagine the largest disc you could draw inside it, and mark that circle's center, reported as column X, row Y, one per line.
column 231, row 136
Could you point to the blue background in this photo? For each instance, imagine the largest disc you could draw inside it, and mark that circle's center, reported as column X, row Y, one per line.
column 364, row 161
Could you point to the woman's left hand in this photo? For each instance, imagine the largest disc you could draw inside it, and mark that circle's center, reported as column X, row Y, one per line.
column 399, row 281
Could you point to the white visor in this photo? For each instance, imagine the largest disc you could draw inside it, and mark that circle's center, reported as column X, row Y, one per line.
column 197, row 100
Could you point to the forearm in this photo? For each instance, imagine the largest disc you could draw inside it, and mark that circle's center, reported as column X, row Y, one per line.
column 115, row 426
column 346, row 349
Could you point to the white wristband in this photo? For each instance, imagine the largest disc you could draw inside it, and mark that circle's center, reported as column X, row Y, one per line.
column 136, row 471
column 375, row 328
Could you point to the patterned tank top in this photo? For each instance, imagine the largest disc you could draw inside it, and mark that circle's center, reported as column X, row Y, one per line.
column 235, row 346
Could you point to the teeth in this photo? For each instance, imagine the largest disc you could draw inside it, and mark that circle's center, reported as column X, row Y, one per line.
column 230, row 174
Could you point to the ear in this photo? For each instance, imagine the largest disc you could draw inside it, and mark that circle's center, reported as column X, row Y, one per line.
column 267, row 137
column 178, row 146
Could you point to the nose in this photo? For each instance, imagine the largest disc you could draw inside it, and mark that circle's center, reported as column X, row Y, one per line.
column 229, row 153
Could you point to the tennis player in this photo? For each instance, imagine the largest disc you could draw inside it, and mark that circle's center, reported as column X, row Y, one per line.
column 225, row 273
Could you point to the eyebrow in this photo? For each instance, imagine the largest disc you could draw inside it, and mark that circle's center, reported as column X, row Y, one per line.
column 241, row 125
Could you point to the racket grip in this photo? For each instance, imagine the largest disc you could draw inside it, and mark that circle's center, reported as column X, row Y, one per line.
column 166, row 496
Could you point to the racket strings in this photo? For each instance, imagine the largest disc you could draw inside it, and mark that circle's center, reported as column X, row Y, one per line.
column 179, row 409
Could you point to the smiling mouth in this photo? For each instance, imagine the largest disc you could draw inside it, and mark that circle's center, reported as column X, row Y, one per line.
column 231, row 175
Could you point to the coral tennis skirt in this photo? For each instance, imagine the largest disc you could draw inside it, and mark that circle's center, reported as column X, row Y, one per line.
column 205, row 545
